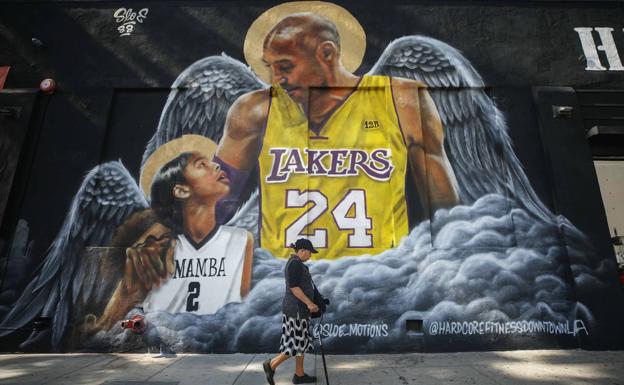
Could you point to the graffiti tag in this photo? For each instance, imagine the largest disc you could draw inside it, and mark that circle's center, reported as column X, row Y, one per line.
column 128, row 19
column 571, row 327
column 350, row 330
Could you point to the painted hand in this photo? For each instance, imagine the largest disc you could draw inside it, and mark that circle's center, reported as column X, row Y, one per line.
column 150, row 261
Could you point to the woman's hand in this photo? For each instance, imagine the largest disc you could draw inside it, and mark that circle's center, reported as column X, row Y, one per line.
column 313, row 308
column 297, row 292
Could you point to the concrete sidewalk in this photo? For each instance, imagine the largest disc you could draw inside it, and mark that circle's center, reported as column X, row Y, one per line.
column 505, row 368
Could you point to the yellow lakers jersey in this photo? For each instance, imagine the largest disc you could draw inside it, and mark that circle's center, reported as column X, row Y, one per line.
column 341, row 186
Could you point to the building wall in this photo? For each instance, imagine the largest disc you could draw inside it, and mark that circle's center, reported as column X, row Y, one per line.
column 609, row 174
column 517, row 257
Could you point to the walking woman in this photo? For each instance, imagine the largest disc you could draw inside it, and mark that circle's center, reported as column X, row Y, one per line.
column 296, row 309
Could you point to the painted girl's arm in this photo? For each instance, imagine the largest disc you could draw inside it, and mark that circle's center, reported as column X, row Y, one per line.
column 247, row 266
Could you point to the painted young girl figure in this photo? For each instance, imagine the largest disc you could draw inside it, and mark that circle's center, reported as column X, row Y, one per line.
column 206, row 265
column 212, row 263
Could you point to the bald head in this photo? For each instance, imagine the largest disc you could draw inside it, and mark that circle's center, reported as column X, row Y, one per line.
column 306, row 30
column 303, row 52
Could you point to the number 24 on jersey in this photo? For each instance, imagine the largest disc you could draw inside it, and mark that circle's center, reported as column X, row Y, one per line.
column 358, row 223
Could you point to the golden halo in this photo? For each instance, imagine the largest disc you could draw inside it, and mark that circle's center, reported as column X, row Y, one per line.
column 168, row 151
column 352, row 36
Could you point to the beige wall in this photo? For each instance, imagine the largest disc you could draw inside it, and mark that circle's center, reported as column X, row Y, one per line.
column 611, row 179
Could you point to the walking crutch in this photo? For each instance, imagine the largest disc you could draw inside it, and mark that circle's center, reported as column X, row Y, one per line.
column 320, row 337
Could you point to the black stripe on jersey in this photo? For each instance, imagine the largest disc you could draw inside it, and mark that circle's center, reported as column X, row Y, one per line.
column 208, row 237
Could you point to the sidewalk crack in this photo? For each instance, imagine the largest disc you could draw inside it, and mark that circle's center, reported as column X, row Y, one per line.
column 404, row 381
column 245, row 368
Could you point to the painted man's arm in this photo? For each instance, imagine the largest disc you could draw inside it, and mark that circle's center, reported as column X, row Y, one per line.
column 424, row 136
column 240, row 144
column 148, row 264
column 238, row 149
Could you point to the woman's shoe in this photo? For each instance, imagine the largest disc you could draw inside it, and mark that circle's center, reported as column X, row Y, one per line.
column 305, row 379
column 266, row 365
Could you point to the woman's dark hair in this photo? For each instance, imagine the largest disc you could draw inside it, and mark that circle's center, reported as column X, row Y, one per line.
column 167, row 207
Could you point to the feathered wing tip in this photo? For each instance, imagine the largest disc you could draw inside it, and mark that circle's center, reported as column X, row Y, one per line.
column 200, row 98
column 68, row 275
column 476, row 138
column 428, row 60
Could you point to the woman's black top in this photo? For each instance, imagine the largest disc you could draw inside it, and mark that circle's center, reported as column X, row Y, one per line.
column 297, row 275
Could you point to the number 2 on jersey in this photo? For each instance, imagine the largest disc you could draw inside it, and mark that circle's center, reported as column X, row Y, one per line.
column 191, row 301
column 358, row 223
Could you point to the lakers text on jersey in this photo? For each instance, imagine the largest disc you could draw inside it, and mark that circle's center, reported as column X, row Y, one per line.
column 205, row 277
column 341, row 186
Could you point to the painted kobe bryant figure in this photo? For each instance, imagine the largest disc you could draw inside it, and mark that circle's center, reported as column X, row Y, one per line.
column 325, row 142
column 328, row 143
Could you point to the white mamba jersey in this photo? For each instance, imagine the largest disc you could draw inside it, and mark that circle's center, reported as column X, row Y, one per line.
column 206, row 276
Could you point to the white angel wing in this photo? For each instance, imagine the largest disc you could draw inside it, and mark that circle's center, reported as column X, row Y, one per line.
column 69, row 282
column 200, row 99
column 476, row 138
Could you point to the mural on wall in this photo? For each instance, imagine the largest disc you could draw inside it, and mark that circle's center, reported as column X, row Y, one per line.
column 245, row 160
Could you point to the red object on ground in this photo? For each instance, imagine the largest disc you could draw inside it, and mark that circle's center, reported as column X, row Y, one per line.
column 136, row 324
column 622, row 278
column 4, row 72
